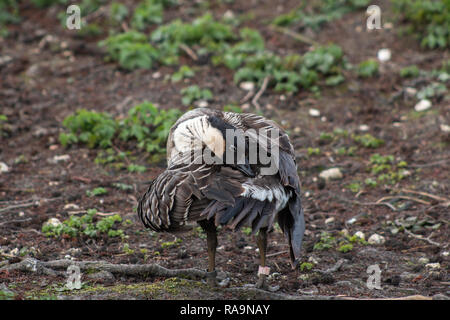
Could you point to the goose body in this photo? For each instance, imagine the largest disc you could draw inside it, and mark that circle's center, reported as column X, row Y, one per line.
column 232, row 195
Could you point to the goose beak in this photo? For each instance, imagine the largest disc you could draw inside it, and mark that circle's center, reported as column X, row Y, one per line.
column 246, row 169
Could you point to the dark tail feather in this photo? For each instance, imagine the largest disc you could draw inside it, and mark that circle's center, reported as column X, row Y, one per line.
column 292, row 223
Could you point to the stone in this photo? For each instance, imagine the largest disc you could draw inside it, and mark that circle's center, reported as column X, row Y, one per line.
column 54, row 222
column 314, row 113
column 360, row 235
column 376, row 239
column 422, row 105
column 384, row 55
column 3, row 167
column 247, row 86
column 331, row 174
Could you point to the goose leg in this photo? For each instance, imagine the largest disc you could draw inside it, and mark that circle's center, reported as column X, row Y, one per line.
column 211, row 233
column 263, row 270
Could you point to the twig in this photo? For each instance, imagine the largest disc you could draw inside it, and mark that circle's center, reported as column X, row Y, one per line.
column 247, row 96
column 189, row 51
column 334, row 268
column 403, row 197
column 432, row 196
column 420, row 237
column 20, row 206
column 295, row 35
column 260, row 92
column 15, row 221
column 276, row 253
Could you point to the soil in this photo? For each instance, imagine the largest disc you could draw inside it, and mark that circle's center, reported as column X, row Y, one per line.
column 53, row 73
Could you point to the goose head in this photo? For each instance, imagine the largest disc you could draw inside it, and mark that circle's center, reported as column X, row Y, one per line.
column 220, row 137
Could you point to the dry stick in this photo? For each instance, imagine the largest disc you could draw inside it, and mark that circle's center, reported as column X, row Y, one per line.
column 247, row 96
column 15, row 221
column 432, row 196
column 276, row 253
column 189, row 51
column 403, row 197
column 295, row 35
column 19, row 206
column 427, row 239
column 260, row 92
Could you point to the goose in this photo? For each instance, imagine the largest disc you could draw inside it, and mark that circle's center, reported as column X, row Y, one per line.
column 223, row 193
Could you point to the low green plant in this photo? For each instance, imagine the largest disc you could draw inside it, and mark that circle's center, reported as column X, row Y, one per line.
column 89, row 127
column 429, row 20
column 409, row 72
column 306, row 266
column 367, row 140
column 183, row 72
column 367, row 68
column 131, row 49
column 85, row 225
column 96, row 192
column 194, row 93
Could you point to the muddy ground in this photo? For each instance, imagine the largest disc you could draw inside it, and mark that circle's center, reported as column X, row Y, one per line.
column 53, row 73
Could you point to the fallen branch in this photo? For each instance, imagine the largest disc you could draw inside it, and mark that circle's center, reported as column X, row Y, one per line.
column 154, row 270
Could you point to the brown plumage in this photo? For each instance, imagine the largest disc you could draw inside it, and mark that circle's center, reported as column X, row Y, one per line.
column 220, row 194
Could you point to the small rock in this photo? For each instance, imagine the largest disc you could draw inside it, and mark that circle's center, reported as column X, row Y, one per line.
column 61, row 158
column 410, row 91
column 310, row 291
column 21, row 214
column 313, row 260
column 329, row 220
column 248, row 247
column 376, row 239
column 5, row 60
column 424, row 260
column 445, row 128
column 247, row 86
column 54, row 222
column 297, row 130
column 228, row 14
column 363, row 128
column 71, row 206
column 433, row 266
column 3, row 167
column 360, row 235
column 422, row 105
column 156, row 75
column 14, row 252
column 345, row 232
column 314, row 112
column 384, row 55
column 202, row 104
column 445, row 253
column 331, row 174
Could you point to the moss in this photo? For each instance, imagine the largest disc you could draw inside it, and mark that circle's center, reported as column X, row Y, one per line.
column 172, row 287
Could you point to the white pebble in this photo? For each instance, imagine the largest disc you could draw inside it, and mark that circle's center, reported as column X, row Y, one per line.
column 331, row 174
column 424, row 260
column 3, row 167
column 422, row 105
column 247, row 86
column 54, row 222
column 61, row 158
column 71, row 206
column 364, row 127
column 433, row 266
column 202, row 104
column 314, row 112
column 384, row 55
column 445, row 128
column 329, row 220
column 376, row 239
column 360, row 235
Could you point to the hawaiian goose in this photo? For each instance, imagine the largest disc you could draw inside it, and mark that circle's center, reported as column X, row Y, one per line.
column 232, row 194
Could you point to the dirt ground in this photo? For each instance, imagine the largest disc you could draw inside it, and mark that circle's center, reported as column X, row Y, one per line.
column 53, row 73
